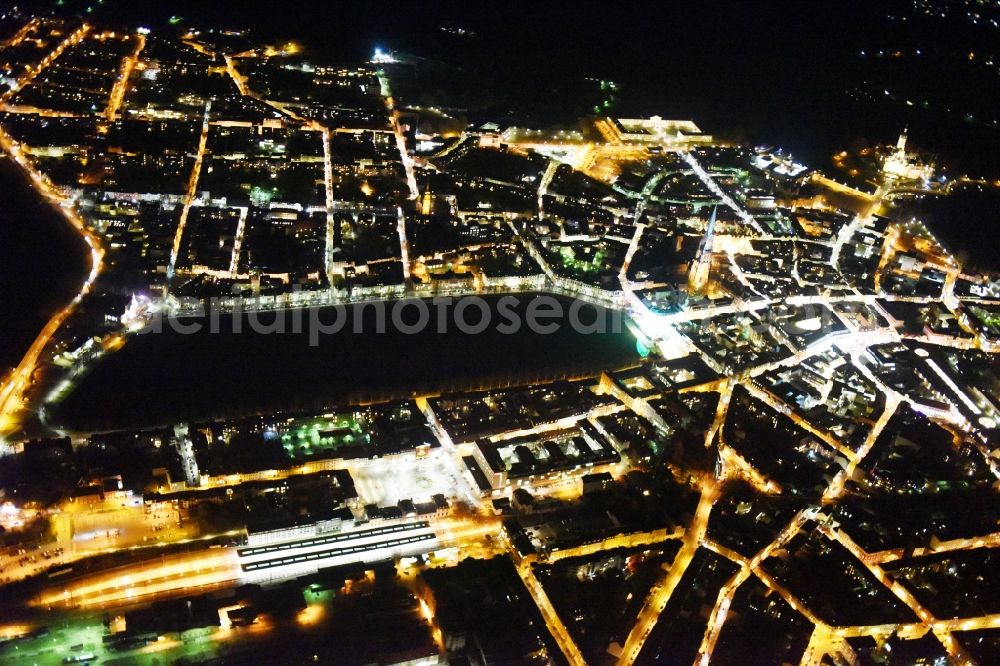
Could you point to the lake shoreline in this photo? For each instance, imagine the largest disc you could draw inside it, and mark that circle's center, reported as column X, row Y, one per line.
column 42, row 263
column 169, row 377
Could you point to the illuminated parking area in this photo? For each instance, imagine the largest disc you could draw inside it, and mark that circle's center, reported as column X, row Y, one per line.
column 386, row 482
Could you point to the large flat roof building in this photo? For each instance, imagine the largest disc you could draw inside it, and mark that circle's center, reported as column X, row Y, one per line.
column 654, row 131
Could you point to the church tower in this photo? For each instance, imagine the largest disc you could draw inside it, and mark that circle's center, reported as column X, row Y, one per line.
column 702, row 265
column 426, row 202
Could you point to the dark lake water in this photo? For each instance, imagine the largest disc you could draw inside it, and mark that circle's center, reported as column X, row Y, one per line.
column 168, row 376
column 967, row 222
column 43, row 261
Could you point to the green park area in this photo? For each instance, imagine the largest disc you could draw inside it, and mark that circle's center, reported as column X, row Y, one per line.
column 584, row 265
column 320, row 436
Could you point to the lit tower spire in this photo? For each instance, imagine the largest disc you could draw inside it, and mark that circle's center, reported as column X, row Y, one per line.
column 702, row 266
column 426, row 203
